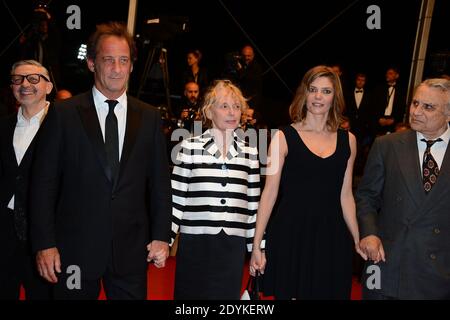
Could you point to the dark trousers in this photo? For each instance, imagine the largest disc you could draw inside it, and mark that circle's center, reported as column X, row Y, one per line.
column 117, row 287
column 209, row 267
column 18, row 267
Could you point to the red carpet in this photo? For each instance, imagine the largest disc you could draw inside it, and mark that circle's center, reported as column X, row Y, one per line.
column 161, row 283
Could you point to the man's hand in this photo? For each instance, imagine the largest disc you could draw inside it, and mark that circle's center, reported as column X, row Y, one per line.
column 48, row 261
column 158, row 251
column 373, row 248
column 359, row 251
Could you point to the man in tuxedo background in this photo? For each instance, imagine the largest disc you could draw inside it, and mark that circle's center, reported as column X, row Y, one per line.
column 101, row 188
column 389, row 102
column 357, row 108
column 30, row 84
column 250, row 79
column 403, row 205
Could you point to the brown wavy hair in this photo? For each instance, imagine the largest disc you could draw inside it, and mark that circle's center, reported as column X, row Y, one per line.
column 117, row 29
column 298, row 109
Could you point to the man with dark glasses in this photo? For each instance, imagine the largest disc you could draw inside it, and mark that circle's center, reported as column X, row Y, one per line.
column 30, row 85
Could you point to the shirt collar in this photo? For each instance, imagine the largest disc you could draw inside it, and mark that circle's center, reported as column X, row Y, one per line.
column 99, row 99
column 234, row 149
column 36, row 119
column 445, row 136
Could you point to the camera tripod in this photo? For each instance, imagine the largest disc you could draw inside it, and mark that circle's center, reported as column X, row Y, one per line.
column 157, row 56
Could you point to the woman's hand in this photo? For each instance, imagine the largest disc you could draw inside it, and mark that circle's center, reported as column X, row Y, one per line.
column 257, row 261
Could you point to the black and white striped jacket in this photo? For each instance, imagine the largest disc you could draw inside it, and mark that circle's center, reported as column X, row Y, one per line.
column 212, row 193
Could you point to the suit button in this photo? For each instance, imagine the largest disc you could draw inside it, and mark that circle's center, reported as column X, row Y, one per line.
column 113, row 197
column 222, row 201
column 436, row 230
column 19, row 177
column 224, row 184
column 224, row 167
column 432, row 256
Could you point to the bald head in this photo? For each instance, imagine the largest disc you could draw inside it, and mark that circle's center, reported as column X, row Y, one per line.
column 191, row 92
column 63, row 94
column 248, row 54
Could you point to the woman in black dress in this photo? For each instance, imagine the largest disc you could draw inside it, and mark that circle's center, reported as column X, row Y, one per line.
column 311, row 234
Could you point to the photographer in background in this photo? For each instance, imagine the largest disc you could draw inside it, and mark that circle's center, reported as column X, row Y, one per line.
column 189, row 109
column 42, row 42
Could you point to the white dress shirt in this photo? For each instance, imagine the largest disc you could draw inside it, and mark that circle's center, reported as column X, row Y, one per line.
column 390, row 105
column 120, row 111
column 358, row 96
column 437, row 150
column 23, row 135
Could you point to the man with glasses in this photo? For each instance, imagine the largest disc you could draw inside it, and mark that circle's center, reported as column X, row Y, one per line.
column 101, row 202
column 404, row 205
column 30, row 85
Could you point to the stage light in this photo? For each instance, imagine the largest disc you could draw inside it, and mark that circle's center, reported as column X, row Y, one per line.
column 82, row 51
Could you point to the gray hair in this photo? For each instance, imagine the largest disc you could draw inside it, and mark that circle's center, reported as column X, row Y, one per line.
column 30, row 63
column 441, row 84
column 212, row 97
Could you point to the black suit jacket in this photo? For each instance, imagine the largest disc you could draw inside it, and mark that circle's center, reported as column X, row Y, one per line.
column 75, row 206
column 359, row 117
column 250, row 82
column 380, row 100
column 414, row 227
column 14, row 180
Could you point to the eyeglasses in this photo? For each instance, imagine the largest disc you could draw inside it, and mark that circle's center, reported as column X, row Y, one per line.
column 33, row 78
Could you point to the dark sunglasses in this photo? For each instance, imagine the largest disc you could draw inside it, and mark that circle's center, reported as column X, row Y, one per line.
column 33, row 78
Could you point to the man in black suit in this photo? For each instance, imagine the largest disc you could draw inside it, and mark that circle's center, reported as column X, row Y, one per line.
column 389, row 104
column 250, row 77
column 403, row 203
column 101, row 188
column 30, row 85
column 357, row 107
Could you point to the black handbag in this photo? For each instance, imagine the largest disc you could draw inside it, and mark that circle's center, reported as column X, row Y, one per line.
column 252, row 291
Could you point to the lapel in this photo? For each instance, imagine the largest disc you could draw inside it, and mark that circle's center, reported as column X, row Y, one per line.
column 90, row 122
column 26, row 161
column 11, row 154
column 234, row 149
column 408, row 159
column 440, row 190
column 89, row 118
column 134, row 116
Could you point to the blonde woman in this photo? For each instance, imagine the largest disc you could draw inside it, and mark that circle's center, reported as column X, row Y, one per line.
column 216, row 191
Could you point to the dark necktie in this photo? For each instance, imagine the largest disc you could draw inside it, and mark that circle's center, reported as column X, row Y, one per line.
column 358, row 91
column 112, row 139
column 430, row 169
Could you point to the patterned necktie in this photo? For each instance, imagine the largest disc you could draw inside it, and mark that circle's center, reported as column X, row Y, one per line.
column 430, row 169
column 112, row 139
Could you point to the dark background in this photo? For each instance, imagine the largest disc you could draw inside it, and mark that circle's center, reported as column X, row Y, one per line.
column 303, row 33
